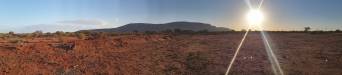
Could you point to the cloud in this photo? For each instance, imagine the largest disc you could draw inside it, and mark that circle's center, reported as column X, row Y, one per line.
column 54, row 28
column 83, row 22
column 67, row 26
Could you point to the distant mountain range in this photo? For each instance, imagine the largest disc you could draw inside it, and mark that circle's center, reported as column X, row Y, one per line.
column 142, row 27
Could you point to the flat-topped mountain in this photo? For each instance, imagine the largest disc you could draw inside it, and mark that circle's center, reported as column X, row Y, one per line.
column 141, row 27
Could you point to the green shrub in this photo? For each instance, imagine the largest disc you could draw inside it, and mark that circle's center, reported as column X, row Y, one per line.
column 98, row 35
column 59, row 33
column 37, row 33
column 81, row 35
column 16, row 40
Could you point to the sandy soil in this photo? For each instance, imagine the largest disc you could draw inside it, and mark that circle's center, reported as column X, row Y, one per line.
column 298, row 54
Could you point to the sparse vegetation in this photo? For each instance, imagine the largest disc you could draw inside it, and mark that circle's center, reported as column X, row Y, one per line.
column 150, row 32
column 16, row 40
column 197, row 63
column 171, row 52
column 98, row 35
column 81, row 35
column 37, row 33
column 59, row 33
column 11, row 33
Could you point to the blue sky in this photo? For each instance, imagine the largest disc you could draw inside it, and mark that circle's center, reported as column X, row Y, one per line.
column 72, row 15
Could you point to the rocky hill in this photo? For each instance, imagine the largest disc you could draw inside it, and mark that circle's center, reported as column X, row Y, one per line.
column 142, row 27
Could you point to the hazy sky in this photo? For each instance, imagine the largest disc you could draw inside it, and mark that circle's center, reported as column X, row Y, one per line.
column 71, row 15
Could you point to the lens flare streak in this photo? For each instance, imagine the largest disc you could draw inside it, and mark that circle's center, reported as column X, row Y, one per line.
column 271, row 56
column 237, row 51
column 249, row 4
column 262, row 1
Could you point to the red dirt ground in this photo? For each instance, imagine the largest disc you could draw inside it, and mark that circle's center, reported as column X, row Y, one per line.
column 160, row 54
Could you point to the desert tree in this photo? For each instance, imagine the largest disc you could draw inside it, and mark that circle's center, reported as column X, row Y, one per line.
column 10, row 34
column 337, row 30
column 38, row 33
column 59, row 33
column 48, row 34
column 68, row 34
column 80, row 35
column 306, row 29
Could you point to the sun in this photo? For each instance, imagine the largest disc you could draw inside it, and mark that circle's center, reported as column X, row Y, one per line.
column 255, row 17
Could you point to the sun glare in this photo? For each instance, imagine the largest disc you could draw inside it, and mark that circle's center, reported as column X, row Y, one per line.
column 255, row 17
